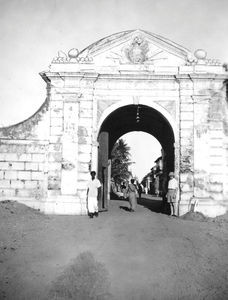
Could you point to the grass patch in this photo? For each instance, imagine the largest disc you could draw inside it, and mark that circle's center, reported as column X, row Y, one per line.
column 83, row 279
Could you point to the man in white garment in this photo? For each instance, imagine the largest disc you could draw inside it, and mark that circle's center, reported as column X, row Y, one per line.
column 172, row 193
column 93, row 188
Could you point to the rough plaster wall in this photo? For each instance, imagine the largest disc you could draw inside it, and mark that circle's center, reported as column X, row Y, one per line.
column 23, row 157
column 35, row 127
column 209, row 135
column 225, row 129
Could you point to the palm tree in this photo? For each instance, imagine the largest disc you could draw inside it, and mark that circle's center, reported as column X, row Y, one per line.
column 120, row 156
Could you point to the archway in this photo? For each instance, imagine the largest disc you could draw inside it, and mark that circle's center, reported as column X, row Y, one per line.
column 132, row 117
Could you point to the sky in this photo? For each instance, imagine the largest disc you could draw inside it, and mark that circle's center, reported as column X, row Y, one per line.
column 143, row 152
column 33, row 31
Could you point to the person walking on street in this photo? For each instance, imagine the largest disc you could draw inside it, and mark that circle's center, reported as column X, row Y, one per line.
column 132, row 192
column 124, row 190
column 93, row 189
column 172, row 193
column 140, row 190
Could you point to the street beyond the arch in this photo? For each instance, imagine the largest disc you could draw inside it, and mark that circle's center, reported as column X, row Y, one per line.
column 119, row 255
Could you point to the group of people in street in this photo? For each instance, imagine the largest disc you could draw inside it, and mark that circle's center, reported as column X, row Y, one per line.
column 130, row 191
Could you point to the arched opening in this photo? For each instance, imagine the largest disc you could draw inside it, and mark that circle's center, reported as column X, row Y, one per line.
column 132, row 117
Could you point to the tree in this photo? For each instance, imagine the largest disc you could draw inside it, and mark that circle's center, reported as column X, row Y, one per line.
column 120, row 156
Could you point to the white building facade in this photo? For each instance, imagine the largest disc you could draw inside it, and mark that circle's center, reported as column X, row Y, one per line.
column 129, row 81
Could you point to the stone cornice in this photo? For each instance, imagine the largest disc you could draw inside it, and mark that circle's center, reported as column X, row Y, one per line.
column 134, row 76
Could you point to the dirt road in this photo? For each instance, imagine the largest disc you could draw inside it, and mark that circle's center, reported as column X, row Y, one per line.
column 146, row 254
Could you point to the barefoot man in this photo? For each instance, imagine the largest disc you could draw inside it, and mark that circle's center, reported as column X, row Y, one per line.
column 93, row 187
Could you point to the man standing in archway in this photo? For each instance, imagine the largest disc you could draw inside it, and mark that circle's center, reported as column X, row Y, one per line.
column 93, row 188
column 172, row 193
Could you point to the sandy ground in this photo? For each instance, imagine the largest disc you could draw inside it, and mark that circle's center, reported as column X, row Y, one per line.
column 147, row 254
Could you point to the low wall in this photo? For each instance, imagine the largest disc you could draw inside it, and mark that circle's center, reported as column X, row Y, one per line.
column 23, row 171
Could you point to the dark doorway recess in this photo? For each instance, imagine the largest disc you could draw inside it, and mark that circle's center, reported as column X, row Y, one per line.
column 127, row 119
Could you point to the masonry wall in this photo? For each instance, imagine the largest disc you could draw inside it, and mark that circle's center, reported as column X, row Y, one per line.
column 23, row 159
column 23, row 170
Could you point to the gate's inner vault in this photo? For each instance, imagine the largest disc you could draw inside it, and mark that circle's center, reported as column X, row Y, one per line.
column 133, row 118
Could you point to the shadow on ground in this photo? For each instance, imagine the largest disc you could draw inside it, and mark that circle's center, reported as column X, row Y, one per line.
column 153, row 203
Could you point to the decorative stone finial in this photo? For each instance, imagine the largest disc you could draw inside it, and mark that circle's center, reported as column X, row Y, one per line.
column 73, row 53
column 200, row 54
column 190, row 58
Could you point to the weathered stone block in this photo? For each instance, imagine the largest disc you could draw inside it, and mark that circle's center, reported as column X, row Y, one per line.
column 84, row 157
column 56, row 113
column 217, row 160
column 216, row 125
column 24, row 175
column 187, row 116
column 186, row 133
column 56, row 122
column 86, row 105
column 85, row 112
column 83, row 167
column 82, row 185
column 55, row 166
column 216, row 150
column 84, row 176
column 37, row 175
column 54, row 130
column 186, row 187
column 86, row 122
column 30, row 184
column 186, row 107
column 56, row 147
column 185, row 141
column 7, row 192
column 38, row 157
column 218, row 142
column 25, row 157
column 54, row 156
column 54, row 183
column 10, row 175
column 31, row 166
column 216, row 178
column 4, row 184
column 43, row 167
column 184, row 177
column 216, row 187
column 216, row 134
column 186, row 196
column 4, row 165
column 216, row 168
column 23, row 193
column 17, row 166
column 8, row 157
column 56, row 102
column 83, row 148
column 186, row 124
column 185, row 92
column 17, row 184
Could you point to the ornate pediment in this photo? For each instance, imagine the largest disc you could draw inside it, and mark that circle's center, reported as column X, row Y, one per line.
column 135, row 47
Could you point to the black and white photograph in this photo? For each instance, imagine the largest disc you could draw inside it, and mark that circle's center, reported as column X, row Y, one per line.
column 114, row 150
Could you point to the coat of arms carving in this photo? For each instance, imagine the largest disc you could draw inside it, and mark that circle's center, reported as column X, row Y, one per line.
column 137, row 50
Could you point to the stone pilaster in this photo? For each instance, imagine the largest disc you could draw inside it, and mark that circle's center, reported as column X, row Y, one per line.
column 70, row 147
column 186, row 143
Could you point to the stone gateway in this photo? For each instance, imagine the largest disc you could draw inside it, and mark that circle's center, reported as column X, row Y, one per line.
column 130, row 81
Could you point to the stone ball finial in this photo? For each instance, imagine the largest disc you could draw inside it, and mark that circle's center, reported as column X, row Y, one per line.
column 73, row 53
column 190, row 58
column 200, row 54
